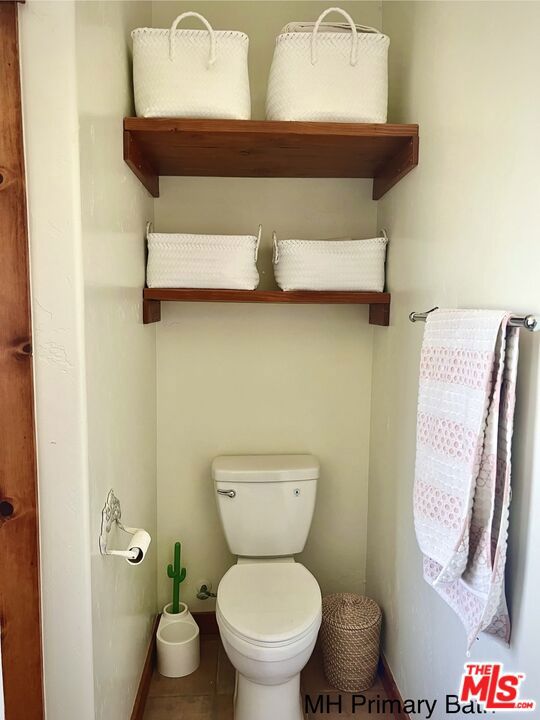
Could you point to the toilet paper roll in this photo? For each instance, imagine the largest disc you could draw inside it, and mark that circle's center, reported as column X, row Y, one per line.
column 138, row 546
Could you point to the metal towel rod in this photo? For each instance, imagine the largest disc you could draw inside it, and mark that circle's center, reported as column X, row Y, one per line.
column 529, row 322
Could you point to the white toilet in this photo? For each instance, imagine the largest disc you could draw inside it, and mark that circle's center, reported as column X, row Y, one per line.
column 268, row 606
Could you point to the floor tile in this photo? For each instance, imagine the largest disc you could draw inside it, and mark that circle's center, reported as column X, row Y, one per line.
column 313, row 678
column 201, row 682
column 207, row 694
column 179, row 708
column 223, row 707
column 225, row 674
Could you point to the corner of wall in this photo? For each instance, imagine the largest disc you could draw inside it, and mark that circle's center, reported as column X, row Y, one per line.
column 53, row 191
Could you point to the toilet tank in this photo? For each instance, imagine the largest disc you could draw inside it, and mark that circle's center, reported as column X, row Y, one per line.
column 265, row 502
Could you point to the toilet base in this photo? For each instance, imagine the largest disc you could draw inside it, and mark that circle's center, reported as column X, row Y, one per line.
column 267, row 702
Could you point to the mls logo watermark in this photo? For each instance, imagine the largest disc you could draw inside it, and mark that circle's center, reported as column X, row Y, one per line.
column 492, row 688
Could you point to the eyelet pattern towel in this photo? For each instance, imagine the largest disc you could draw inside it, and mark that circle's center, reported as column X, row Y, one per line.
column 466, row 400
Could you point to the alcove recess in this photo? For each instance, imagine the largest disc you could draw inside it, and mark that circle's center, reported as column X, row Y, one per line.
column 253, row 148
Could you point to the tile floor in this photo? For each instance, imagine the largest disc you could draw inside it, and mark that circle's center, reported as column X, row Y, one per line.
column 207, row 693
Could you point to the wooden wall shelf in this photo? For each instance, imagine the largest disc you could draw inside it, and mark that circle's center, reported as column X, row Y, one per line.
column 379, row 302
column 253, row 148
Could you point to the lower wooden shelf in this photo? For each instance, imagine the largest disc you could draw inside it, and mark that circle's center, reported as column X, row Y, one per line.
column 379, row 302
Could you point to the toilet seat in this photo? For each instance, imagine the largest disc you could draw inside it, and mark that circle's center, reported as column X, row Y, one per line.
column 269, row 605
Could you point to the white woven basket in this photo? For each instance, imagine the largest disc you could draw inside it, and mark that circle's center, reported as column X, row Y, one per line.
column 329, row 76
column 202, row 261
column 191, row 73
column 330, row 264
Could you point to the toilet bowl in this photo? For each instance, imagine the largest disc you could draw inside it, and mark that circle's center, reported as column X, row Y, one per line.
column 269, row 614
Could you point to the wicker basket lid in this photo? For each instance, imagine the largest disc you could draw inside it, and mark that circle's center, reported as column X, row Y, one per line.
column 350, row 611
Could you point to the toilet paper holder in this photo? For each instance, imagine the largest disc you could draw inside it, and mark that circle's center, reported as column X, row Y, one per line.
column 111, row 515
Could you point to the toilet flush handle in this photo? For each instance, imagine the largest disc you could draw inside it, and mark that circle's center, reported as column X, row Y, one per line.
column 228, row 493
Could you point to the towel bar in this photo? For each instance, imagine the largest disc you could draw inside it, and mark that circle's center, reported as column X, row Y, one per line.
column 529, row 322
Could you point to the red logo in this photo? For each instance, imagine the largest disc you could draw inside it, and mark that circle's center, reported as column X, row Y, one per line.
column 487, row 684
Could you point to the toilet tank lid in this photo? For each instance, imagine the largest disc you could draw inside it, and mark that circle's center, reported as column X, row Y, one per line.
column 265, row 468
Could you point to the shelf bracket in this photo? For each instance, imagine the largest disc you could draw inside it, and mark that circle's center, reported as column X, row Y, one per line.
column 151, row 311
column 379, row 314
column 391, row 172
column 140, row 166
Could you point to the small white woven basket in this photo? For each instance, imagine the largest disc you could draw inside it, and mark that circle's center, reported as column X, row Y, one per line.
column 202, row 261
column 329, row 76
column 191, row 73
column 330, row 264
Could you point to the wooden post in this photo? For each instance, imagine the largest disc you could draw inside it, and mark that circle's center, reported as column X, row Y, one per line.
column 19, row 558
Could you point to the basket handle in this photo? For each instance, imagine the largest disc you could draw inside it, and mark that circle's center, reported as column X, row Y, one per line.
column 212, row 58
column 384, row 234
column 259, row 234
column 354, row 34
column 275, row 251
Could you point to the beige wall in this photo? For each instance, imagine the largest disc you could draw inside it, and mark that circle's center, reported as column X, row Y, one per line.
column 463, row 228
column 248, row 379
column 120, row 350
column 257, row 379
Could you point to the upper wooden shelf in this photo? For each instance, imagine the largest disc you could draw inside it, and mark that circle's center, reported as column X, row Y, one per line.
column 255, row 148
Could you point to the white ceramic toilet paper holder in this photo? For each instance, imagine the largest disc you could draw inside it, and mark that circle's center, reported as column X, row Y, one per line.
column 111, row 515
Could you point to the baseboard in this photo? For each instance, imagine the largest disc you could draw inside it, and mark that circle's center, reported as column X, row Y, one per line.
column 207, row 622
column 391, row 687
column 146, row 676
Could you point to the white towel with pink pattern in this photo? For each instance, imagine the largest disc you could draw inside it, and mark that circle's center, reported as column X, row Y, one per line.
column 466, row 400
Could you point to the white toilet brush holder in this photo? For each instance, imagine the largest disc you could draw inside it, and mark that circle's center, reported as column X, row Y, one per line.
column 178, row 649
column 168, row 616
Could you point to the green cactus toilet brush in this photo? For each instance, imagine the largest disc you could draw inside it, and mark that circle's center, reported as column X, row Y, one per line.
column 177, row 574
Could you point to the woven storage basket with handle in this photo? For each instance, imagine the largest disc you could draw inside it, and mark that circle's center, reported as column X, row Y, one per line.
column 329, row 76
column 356, row 265
column 350, row 635
column 202, row 261
column 191, row 73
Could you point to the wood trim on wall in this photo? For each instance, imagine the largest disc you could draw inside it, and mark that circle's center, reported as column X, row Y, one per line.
column 391, row 687
column 207, row 622
column 19, row 556
column 146, row 676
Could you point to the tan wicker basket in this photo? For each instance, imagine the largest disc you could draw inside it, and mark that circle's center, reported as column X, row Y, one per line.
column 350, row 635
